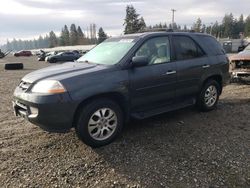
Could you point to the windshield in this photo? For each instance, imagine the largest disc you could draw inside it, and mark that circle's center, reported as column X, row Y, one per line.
column 109, row 52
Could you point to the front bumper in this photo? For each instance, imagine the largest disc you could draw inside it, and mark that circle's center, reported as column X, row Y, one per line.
column 240, row 73
column 53, row 113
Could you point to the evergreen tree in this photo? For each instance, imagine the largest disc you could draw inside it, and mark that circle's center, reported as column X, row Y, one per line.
column 247, row 26
column 80, row 36
column 197, row 27
column 227, row 25
column 52, row 39
column 142, row 24
column 241, row 24
column 101, row 35
column 132, row 22
column 73, row 35
column 203, row 29
column 185, row 28
column 64, row 38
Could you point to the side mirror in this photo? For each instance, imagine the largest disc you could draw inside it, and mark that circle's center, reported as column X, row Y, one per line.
column 139, row 61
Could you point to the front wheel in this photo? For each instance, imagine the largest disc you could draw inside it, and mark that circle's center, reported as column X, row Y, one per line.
column 209, row 96
column 99, row 122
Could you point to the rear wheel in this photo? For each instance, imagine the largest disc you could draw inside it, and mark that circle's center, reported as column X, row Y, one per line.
column 209, row 96
column 99, row 122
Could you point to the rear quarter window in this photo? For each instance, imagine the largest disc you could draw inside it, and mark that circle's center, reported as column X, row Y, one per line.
column 211, row 44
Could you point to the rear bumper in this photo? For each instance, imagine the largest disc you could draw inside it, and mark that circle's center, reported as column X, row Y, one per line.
column 53, row 113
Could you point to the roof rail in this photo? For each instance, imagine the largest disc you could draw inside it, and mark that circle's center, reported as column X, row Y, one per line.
column 155, row 30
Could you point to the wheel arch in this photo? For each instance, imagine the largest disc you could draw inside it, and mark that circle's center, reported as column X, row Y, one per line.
column 117, row 97
column 217, row 78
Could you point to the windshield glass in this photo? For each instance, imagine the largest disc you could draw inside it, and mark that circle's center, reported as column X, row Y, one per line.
column 109, row 52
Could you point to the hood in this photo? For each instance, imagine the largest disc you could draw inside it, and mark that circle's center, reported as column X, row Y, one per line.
column 244, row 55
column 63, row 70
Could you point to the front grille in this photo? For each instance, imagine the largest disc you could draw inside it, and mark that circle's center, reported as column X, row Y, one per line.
column 24, row 85
column 244, row 64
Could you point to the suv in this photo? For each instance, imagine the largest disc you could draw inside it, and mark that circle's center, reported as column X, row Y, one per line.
column 139, row 75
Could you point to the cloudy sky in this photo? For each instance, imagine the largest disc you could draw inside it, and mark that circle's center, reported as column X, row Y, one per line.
column 27, row 19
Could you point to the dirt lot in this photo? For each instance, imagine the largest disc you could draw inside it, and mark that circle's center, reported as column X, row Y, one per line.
column 185, row 148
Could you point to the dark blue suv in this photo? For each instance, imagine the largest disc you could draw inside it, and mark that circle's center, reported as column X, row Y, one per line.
column 137, row 75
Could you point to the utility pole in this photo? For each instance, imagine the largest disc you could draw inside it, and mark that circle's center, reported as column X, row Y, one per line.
column 173, row 11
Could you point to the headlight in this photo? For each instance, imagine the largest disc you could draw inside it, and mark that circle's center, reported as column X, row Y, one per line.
column 48, row 86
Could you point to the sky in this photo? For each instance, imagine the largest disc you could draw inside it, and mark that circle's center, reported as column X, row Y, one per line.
column 27, row 19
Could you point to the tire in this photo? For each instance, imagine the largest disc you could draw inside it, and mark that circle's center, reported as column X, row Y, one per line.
column 99, row 134
column 13, row 66
column 209, row 96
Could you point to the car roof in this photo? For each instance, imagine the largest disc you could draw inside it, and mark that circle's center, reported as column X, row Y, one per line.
column 146, row 34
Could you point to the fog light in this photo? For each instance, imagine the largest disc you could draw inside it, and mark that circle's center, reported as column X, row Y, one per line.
column 34, row 112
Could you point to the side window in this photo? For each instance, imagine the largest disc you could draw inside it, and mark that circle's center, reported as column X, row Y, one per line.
column 156, row 49
column 212, row 44
column 185, row 48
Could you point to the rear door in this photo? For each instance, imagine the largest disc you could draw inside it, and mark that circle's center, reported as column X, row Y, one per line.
column 191, row 64
column 153, row 85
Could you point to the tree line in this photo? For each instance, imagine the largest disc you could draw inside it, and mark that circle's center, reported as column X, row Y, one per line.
column 230, row 27
column 68, row 37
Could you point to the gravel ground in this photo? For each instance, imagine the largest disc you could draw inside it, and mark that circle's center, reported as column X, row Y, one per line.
column 185, row 148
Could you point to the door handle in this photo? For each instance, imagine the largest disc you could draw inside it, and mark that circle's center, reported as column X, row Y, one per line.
column 170, row 72
column 205, row 66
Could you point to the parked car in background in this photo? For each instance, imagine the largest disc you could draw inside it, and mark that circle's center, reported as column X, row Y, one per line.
column 139, row 76
column 23, row 53
column 63, row 57
column 240, row 64
column 44, row 54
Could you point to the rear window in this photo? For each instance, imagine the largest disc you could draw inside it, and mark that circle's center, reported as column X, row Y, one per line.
column 212, row 44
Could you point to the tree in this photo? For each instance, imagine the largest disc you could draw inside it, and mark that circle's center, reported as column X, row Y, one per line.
column 80, row 36
column 101, row 35
column 132, row 22
column 197, row 25
column 227, row 25
column 64, row 39
column 52, row 39
column 247, row 26
column 73, row 34
column 185, row 28
column 240, row 24
column 142, row 24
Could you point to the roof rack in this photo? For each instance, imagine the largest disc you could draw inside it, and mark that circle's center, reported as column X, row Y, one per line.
column 156, row 30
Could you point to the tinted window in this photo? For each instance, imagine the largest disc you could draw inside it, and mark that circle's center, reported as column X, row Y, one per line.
column 157, row 50
column 212, row 44
column 185, row 48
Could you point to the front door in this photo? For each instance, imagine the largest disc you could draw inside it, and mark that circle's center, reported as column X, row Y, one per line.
column 153, row 85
